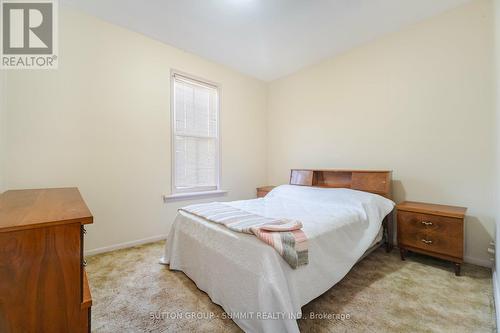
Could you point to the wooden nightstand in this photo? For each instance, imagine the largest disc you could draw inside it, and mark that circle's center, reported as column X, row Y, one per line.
column 263, row 191
column 435, row 230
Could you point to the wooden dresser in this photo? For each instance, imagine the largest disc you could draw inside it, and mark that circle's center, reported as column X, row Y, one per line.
column 264, row 190
column 43, row 283
column 435, row 230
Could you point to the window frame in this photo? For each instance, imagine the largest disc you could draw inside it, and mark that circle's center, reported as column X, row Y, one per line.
column 199, row 189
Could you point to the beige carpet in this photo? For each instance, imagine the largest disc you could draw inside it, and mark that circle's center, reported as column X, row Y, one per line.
column 133, row 293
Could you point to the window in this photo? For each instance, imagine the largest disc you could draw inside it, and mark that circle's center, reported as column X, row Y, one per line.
column 195, row 135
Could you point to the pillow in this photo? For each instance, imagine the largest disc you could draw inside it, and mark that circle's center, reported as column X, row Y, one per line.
column 333, row 197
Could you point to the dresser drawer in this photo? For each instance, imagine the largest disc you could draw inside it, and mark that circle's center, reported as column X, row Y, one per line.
column 85, row 315
column 438, row 234
column 83, row 262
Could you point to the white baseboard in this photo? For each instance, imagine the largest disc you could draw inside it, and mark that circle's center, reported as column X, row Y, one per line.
column 125, row 245
column 496, row 297
column 469, row 260
column 479, row 262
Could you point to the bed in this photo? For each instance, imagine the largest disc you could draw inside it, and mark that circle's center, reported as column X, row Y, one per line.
column 345, row 215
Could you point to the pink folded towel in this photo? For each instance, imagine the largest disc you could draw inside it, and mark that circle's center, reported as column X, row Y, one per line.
column 285, row 225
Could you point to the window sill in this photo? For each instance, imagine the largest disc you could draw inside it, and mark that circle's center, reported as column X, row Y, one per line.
column 192, row 195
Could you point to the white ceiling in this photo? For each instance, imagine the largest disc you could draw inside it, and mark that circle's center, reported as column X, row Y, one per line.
column 266, row 39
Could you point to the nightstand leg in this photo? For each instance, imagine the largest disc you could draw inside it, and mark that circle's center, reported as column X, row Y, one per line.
column 402, row 252
column 457, row 269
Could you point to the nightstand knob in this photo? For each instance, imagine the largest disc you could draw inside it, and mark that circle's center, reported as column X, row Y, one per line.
column 427, row 241
column 427, row 223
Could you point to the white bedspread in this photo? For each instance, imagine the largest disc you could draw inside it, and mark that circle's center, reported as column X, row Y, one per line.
column 250, row 280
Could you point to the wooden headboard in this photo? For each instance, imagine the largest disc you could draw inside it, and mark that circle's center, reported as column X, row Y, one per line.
column 374, row 181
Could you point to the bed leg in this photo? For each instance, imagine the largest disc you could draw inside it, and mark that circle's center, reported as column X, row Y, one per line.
column 389, row 232
column 402, row 253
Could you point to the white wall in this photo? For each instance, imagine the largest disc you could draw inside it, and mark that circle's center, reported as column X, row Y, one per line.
column 419, row 102
column 101, row 122
column 496, row 268
column 497, row 95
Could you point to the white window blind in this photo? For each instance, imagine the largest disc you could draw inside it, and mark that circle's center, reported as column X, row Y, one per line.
column 195, row 135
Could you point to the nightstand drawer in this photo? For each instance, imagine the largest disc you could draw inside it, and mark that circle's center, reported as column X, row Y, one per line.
column 451, row 227
column 433, row 233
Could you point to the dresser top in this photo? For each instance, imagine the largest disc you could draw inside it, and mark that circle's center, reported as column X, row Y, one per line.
column 433, row 209
column 26, row 209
